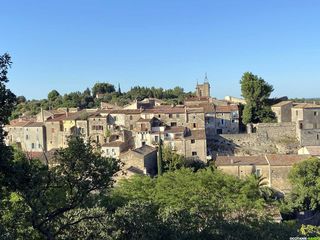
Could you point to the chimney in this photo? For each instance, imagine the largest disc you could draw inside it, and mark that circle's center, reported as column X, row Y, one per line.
column 67, row 112
column 42, row 115
column 231, row 160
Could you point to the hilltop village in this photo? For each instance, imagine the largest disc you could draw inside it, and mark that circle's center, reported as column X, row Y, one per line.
column 203, row 129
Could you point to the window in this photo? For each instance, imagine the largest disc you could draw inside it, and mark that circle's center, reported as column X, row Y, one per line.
column 130, row 117
column 131, row 127
column 317, row 136
column 52, row 130
column 193, row 141
column 97, row 139
column 194, row 125
column 177, row 115
column 143, row 143
column 194, row 153
column 315, row 113
column 297, row 113
column 222, row 121
column 27, row 137
column 170, row 115
column 173, row 124
column 301, row 126
column 32, row 145
column 159, row 115
column 156, row 138
column 219, row 131
column 115, row 118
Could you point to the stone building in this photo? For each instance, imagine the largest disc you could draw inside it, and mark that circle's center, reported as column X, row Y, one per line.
column 307, row 119
column 113, row 149
column 273, row 167
column 35, row 137
column 141, row 160
column 15, row 132
column 203, row 90
column 282, row 111
column 223, row 120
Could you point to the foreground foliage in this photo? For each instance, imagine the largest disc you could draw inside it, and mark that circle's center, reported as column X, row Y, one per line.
column 206, row 204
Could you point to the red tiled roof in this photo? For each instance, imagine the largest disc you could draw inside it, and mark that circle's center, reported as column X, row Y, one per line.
column 273, row 159
column 226, row 109
column 285, row 160
column 306, row 105
column 240, row 160
column 282, row 103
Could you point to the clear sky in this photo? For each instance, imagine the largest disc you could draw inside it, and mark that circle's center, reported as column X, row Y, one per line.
column 69, row 45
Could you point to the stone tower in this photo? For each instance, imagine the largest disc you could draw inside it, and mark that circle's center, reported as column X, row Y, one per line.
column 203, row 90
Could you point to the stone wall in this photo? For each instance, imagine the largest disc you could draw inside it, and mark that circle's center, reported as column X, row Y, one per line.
column 266, row 138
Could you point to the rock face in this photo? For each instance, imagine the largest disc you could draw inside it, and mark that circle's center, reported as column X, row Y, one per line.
column 266, row 138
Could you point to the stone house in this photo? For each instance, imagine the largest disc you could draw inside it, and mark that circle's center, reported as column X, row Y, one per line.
column 307, row 119
column 282, row 111
column 221, row 120
column 35, row 137
column 99, row 127
column 141, row 160
column 113, row 149
column 15, row 133
column 273, row 167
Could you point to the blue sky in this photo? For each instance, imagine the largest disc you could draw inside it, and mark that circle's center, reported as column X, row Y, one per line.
column 69, row 45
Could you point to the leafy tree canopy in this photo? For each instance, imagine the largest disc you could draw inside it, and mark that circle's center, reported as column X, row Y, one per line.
column 256, row 91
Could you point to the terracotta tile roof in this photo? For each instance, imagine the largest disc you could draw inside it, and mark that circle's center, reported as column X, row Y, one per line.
column 273, row 159
column 34, row 124
column 144, row 120
column 306, row 105
column 145, row 150
column 282, row 103
column 313, row 150
column 18, row 123
column 114, row 144
column 227, row 109
column 174, row 129
column 165, row 109
column 57, row 117
column 197, row 134
column 285, row 160
column 240, row 160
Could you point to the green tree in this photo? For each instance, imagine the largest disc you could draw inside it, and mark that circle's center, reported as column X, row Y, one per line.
column 206, row 204
column 256, row 91
column 7, row 103
column 53, row 95
column 54, row 201
column 305, row 181
column 102, row 88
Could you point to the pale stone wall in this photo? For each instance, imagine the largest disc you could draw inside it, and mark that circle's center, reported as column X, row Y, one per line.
column 310, row 137
column 34, row 139
column 243, row 171
column 55, row 137
column 279, row 178
column 268, row 138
